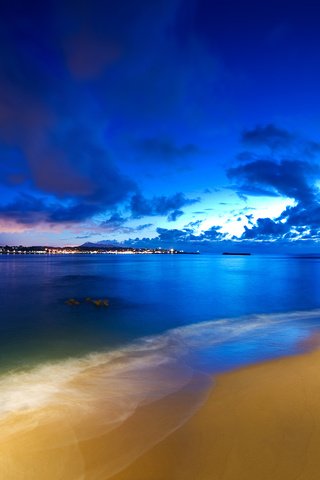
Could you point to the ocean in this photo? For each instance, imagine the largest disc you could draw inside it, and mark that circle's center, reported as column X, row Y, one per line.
column 173, row 322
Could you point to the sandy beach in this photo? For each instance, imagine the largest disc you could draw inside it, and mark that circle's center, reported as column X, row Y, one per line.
column 260, row 422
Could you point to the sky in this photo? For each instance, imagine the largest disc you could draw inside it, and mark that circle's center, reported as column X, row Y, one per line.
column 191, row 124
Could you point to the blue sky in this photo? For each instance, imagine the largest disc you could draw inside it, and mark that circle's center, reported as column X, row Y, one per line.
column 175, row 123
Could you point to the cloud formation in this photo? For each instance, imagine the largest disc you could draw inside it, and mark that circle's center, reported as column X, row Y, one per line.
column 268, row 136
column 75, row 83
column 140, row 206
column 27, row 209
column 289, row 178
column 115, row 221
column 174, row 215
column 187, row 235
column 277, row 176
column 186, row 238
column 104, row 102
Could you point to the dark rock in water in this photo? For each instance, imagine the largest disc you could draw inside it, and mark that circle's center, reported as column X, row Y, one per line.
column 99, row 302
column 72, row 302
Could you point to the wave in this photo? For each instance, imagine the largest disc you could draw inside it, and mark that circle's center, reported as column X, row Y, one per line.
column 89, row 417
column 220, row 331
column 28, row 389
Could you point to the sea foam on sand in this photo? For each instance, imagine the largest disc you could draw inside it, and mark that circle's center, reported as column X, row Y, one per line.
column 89, row 418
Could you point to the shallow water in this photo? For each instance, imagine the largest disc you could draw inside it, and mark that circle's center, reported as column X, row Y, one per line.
column 148, row 295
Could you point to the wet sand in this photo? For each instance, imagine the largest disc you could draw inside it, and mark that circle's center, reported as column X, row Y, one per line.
column 259, row 423
column 92, row 440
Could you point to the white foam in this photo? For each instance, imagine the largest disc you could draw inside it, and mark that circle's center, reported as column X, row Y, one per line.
column 219, row 331
column 50, row 413
column 126, row 376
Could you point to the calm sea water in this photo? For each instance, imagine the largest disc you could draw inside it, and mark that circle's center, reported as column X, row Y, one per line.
column 155, row 297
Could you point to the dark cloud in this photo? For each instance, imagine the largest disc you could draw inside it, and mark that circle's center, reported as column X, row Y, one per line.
column 302, row 215
column 55, row 151
column 71, row 214
column 77, row 166
column 116, row 220
column 213, row 233
column 165, row 150
column 265, row 228
column 268, row 135
column 277, row 140
column 289, row 178
column 289, row 228
column 174, row 235
column 27, row 209
column 116, row 223
column 277, row 176
column 178, row 238
column 162, row 205
column 79, row 82
column 87, row 55
column 173, row 216
column 83, row 237
column 195, row 224
column 301, row 221
column 74, row 82
column 61, row 69
column 143, row 226
column 294, row 179
column 187, row 235
column 250, row 218
column 246, row 190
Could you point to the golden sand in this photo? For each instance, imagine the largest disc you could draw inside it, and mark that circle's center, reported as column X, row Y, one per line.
column 63, row 441
column 259, row 423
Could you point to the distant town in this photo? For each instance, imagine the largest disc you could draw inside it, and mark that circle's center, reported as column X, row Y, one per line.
column 109, row 250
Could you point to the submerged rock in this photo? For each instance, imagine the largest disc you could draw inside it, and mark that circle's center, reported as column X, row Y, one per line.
column 72, row 302
column 99, row 302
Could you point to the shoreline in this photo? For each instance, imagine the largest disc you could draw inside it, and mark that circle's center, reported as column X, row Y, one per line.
column 259, row 422
column 96, row 421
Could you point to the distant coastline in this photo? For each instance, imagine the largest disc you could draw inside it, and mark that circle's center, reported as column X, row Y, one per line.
column 109, row 250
